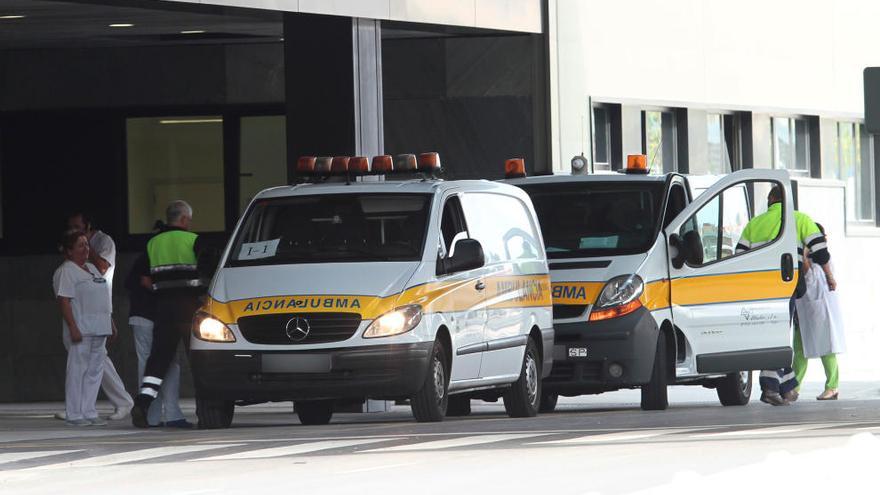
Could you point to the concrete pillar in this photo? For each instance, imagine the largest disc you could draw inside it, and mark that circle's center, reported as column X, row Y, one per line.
column 333, row 86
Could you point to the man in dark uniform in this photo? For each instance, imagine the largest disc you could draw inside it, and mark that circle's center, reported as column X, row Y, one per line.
column 173, row 256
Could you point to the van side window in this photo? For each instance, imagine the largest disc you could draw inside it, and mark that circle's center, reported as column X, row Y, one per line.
column 503, row 226
column 720, row 223
column 675, row 205
column 452, row 225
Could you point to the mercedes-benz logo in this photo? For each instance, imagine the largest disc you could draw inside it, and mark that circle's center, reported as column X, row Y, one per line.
column 297, row 329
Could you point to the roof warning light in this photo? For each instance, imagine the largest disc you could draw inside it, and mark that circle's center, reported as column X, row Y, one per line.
column 637, row 164
column 514, row 168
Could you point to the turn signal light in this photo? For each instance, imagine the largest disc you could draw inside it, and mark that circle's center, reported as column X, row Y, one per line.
column 514, row 168
column 616, row 311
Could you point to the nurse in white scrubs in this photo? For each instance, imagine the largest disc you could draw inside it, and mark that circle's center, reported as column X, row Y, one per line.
column 86, row 309
column 820, row 329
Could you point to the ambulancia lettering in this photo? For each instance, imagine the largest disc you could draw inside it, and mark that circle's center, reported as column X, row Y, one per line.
column 569, row 292
column 527, row 290
column 302, row 303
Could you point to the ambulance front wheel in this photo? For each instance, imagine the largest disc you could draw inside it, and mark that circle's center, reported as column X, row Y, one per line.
column 523, row 399
column 429, row 404
column 654, row 393
column 314, row 412
column 735, row 389
column 214, row 413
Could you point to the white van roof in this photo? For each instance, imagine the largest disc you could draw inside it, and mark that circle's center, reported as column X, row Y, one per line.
column 431, row 186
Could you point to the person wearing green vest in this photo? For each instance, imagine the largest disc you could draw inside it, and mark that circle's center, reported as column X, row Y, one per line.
column 173, row 256
column 779, row 387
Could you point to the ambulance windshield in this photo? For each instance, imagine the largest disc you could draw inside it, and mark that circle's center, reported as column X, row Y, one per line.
column 604, row 219
column 331, row 228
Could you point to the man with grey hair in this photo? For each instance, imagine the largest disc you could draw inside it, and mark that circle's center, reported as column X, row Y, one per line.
column 173, row 272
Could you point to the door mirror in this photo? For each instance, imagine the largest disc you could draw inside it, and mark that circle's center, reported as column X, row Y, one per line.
column 688, row 248
column 467, row 255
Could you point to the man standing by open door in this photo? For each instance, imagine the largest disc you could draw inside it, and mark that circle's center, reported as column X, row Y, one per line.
column 778, row 387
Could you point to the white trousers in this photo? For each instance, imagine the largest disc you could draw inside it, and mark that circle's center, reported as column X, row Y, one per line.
column 111, row 382
column 85, row 366
column 169, row 394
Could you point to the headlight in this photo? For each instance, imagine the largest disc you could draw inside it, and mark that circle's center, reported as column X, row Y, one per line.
column 401, row 320
column 619, row 297
column 206, row 327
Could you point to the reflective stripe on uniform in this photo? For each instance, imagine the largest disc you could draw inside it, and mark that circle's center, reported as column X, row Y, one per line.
column 168, row 268
column 177, row 284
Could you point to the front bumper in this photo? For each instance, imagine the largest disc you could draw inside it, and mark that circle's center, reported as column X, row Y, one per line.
column 380, row 371
column 630, row 341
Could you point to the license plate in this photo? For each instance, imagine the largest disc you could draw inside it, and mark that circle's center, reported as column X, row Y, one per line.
column 303, row 363
column 577, row 352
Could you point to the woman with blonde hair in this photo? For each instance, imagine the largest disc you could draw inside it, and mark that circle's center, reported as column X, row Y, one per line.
column 87, row 322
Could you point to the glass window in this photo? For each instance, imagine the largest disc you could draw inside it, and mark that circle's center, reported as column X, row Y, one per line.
column 263, row 156
column 654, row 140
column 855, row 167
column 452, row 225
column 601, row 138
column 502, row 225
column 734, row 217
column 719, row 153
column 791, row 145
column 605, row 219
column 333, row 228
column 705, row 223
column 175, row 158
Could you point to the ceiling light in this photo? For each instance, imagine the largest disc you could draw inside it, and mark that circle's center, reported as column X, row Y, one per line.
column 191, row 121
column 11, row 16
column 195, row 31
column 121, row 25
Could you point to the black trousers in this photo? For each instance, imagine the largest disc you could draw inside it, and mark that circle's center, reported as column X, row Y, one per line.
column 175, row 309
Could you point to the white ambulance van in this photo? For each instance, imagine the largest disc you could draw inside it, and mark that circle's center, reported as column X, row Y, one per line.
column 346, row 288
column 648, row 289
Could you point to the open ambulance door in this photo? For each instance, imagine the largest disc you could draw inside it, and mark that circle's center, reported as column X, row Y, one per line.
column 733, row 307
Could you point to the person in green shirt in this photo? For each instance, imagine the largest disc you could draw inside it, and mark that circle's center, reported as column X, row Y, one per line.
column 779, row 387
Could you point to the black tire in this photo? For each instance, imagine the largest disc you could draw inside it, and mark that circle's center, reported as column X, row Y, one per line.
column 654, row 393
column 314, row 412
column 459, row 405
column 214, row 414
column 429, row 404
column 523, row 399
column 548, row 402
column 735, row 389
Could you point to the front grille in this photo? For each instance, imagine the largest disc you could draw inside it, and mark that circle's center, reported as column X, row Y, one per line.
column 323, row 328
column 568, row 310
column 565, row 371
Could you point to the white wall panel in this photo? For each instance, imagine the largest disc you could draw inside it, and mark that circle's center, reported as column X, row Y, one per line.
column 509, row 14
column 373, row 9
column 452, row 12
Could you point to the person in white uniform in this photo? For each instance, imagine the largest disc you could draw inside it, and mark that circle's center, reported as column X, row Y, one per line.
column 102, row 254
column 86, row 310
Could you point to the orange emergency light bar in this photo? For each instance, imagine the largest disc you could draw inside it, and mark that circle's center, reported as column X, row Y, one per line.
column 305, row 165
column 358, row 165
column 637, row 164
column 339, row 165
column 323, row 164
column 405, row 163
column 382, row 164
column 429, row 162
column 514, row 168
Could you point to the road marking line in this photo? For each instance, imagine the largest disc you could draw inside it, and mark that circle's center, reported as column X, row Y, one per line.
column 135, row 456
column 772, row 430
column 23, row 456
column 455, row 442
column 622, row 436
column 303, row 448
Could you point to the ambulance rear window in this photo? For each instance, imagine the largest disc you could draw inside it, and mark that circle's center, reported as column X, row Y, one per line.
column 333, row 228
column 583, row 220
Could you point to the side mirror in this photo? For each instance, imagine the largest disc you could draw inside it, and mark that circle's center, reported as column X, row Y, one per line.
column 689, row 248
column 467, row 255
